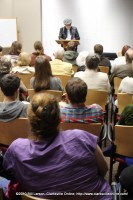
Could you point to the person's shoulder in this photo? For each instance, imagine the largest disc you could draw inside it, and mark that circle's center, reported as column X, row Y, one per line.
column 78, row 134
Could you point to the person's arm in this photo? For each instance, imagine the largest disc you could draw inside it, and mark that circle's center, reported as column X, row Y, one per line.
column 101, row 162
column 61, row 33
column 77, row 37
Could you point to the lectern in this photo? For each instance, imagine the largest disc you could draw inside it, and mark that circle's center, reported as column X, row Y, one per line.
column 64, row 43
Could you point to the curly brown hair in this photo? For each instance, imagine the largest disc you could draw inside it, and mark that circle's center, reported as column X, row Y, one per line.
column 44, row 115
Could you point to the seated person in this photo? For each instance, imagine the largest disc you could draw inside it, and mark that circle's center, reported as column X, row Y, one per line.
column 5, row 68
column 124, row 70
column 58, row 66
column 98, row 49
column 70, row 54
column 56, row 161
column 15, row 50
column 39, row 51
column 43, row 78
column 22, row 66
column 121, row 60
column 93, row 78
column 126, row 181
column 126, row 117
column 11, row 108
column 126, row 85
column 76, row 110
column 80, row 61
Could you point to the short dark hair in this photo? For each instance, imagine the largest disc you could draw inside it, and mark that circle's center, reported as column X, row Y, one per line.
column 98, row 48
column 92, row 62
column 9, row 84
column 76, row 90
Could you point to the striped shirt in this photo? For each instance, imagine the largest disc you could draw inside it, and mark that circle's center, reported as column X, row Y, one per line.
column 82, row 114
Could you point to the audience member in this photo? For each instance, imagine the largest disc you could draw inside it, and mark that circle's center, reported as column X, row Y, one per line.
column 23, row 63
column 126, row 117
column 80, row 61
column 5, row 65
column 14, row 51
column 70, row 54
column 121, row 60
column 43, row 78
column 126, row 85
column 98, row 49
column 93, row 78
column 126, row 181
column 76, row 110
column 5, row 68
column 11, row 108
column 124, row 70
column 58, row 66
column 71, row 156
column 39, row 51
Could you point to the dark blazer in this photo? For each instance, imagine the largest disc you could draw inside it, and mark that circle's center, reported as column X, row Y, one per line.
column 73, row 31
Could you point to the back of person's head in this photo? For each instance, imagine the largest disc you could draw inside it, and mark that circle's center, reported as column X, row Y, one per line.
column 24, row 59
column 43, row 73
column 9, row 84
column 124, row 49
column 76, row 90
column 44, row 115
column 71, row 46
column 80, row 60
column 98, row 48
column 5, row 64
column 129, row 55
column 38, row 46
column 59, row 52
column 92, row 61
column 16, row 48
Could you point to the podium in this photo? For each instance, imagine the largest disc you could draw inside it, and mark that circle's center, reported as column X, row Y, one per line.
column 64, row 43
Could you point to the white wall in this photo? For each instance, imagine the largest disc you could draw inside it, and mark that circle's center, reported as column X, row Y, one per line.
column 28, row 14
column 108, row 22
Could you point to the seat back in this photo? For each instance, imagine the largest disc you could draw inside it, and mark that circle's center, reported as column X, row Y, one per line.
column 117, row 82
column 64, row 79
column 94, row 128
column 104, row 69
column 98, row 97
column 124, row 140
column 74, row 68
column 123, row 100
column 57, row 93
column 10, row 131
column 1, row 96
column 25, row 78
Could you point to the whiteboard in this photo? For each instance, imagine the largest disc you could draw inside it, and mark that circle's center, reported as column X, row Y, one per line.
column 8, row 31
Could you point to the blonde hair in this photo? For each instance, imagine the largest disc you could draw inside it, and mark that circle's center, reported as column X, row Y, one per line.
column 24, row 59
column 44, row 115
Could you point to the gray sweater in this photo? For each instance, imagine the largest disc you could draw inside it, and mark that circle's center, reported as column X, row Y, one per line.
column 12, row 110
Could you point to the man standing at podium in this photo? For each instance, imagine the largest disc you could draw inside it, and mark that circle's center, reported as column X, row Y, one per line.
column 68, row 32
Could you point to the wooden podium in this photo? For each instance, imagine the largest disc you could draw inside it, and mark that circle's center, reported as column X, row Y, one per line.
column 64, row 43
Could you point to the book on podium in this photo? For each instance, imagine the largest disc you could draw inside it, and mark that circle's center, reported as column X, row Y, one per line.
column 64, row 43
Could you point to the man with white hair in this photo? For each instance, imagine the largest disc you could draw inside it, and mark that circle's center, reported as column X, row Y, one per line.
column 58, row 66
